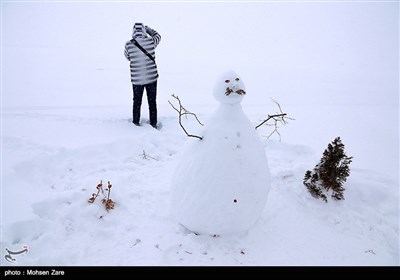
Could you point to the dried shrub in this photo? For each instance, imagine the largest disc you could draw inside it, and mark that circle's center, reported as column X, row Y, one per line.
column 95, row 195
column 106, row 201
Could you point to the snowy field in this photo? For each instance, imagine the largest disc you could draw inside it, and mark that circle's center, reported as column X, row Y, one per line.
column 66, row 125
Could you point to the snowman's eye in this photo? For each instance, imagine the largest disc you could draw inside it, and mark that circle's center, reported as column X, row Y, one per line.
column 227, row 81
column 237, row 79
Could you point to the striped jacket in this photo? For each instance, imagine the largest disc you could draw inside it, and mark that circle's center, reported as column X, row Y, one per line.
column 143, row 69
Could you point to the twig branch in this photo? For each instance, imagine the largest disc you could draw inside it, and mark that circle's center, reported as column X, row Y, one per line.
column 276, row 118
column 146, row 156
column 280, row 117
column 183, row 112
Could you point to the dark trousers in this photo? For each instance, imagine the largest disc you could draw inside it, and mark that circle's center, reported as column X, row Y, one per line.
column 151, row 90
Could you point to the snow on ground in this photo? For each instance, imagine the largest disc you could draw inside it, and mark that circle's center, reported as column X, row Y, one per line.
column 54, row 157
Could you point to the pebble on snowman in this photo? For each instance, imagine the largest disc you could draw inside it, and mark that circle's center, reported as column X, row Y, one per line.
column 221, row 183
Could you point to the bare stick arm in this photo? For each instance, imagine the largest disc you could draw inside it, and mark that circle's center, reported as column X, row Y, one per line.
column 183, row 112
column 272, row 117
column 280, row 117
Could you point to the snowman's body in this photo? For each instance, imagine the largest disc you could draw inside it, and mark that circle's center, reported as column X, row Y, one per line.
column 221, row 183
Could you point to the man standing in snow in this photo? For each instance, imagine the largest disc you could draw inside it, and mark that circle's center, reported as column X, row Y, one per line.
column 140, row 51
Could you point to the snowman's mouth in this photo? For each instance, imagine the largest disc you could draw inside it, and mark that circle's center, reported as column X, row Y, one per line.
column 239, row 91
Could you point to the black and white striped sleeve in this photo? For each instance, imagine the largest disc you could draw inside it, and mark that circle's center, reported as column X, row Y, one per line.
column 154, row 34
column 126, row 52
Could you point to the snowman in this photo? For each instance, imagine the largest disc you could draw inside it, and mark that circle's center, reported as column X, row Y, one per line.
column 221, row 182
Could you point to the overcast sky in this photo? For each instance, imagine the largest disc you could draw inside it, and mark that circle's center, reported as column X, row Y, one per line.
column 72, row 53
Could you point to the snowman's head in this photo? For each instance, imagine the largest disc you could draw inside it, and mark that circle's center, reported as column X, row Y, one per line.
column 229, row 88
